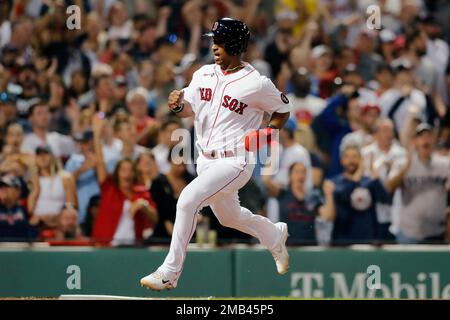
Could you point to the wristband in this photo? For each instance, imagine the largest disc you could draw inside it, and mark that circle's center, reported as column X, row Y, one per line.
column 272, row 126
column 178, row 109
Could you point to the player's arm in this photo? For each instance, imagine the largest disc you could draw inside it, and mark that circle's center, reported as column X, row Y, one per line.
column 179, row 105
column 255, row 139
column 278, row 120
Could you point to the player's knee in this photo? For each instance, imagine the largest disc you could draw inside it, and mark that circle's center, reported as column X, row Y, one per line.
column 186, row 204
column 227, row 221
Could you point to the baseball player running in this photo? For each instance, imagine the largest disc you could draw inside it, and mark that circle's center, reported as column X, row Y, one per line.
column 227, row 100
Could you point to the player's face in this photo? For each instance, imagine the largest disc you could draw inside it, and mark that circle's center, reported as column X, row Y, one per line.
column 350, row 160
column 220, row 56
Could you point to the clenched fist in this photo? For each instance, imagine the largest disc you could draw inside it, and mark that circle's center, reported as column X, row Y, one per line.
column 175, row 98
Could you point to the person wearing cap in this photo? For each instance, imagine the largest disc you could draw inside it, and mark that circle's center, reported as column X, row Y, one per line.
column 396, row 102
column 423, row 182
column 323, row 72
column 14, row 219
column 82, row 166
column 370, row 113
column 387, row 47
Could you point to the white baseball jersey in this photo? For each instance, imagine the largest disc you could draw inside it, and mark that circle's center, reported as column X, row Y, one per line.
column 228, row 106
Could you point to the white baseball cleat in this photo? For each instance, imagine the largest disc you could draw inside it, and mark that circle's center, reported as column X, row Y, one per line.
column 157, row 281
column 280, row 253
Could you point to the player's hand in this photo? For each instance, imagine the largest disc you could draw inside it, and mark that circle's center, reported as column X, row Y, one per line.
column 257, row 138
column 175, row 98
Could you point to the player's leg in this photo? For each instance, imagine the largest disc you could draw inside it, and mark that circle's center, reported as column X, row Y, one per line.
column 230, row 214
column 273, row 236
column 216, row 178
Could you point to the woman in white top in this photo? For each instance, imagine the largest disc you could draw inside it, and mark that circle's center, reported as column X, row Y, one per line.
column 56, row 190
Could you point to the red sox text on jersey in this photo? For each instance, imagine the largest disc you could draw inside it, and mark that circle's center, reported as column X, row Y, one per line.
column 228, row 102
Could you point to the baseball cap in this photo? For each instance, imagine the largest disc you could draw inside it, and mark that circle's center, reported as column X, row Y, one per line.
column 10, row 181
column 84, row 136
column 43, row 149
column 423, row 127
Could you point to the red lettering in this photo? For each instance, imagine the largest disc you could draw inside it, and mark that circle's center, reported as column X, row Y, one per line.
column 226, row 101
column 241, row 108
column 208, row 94
column 205, row 94
column 233, row 104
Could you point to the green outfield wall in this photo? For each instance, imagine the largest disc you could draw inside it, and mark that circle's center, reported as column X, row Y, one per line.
column 405, row 272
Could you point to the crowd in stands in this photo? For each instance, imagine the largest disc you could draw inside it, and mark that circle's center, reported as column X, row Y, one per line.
column 87, row 138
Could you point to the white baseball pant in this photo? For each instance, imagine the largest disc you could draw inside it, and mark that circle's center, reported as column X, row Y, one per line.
column 216, row 185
